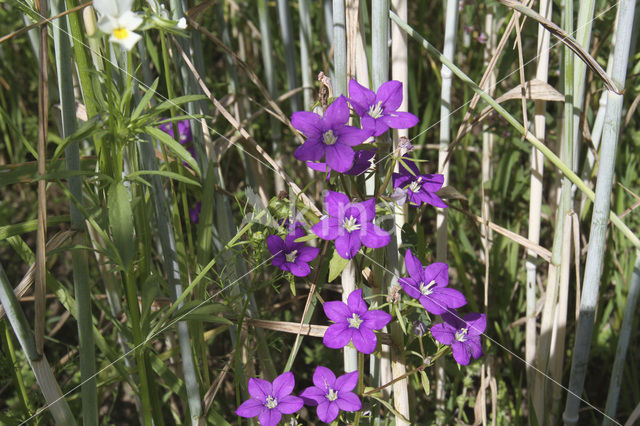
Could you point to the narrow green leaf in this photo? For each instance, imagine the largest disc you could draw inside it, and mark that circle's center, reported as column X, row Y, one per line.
column 174, row 146
column 336, row 265
column 145, row 100
column 424, row 380
column 167, row 174
column 121, row 221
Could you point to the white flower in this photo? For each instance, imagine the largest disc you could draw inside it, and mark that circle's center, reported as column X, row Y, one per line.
column 182, row 24
column 117, row 19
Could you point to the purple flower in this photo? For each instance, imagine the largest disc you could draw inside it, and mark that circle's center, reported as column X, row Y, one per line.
column 361, row 162
column 353, row 321
column 350, row 225
column 429, row 285
column 420, row 188
column 462, row 334
column 332, row 395
column 378, row 111
column 291, row 256
column 328, row 136
column 184, row 130
column 194, row 212
column 270, row 401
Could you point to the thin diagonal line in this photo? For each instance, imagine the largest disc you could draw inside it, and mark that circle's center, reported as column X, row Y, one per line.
column 147, row 340
column 507, row 349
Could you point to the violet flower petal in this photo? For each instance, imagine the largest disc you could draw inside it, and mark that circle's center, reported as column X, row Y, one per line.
column 289, row 404
column 308, row 123
column 461, row 353
column 349, row 401
column 337, row 336
column 250, row 408
column 327, row 229
column 356, row 303
column 364, row 340
column 327, row 412
column 310, row 150
column 313, row 396
column 275, row 244
column 390, row 94
column 339, row 157
column 375, row 319
column 324, row 377
column 400, row 120
column 283, row 385
column 438, row 272
column 270, row 417
column 346, row 382
column 348, row 244
column 443, row 333
column 336, row 311
column 338, row 112
column 259, row 388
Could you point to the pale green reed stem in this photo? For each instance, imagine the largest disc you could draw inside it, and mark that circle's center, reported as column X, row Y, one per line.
column 38, row 362
column 305, row 53
column 623, row 344
column 535, row 196
column 529, row 137
column 601, row 207
column 270, row 77
column 450, row 31
column 286, row 31
column 339, row 79
column 79, row 258
column 542, row 391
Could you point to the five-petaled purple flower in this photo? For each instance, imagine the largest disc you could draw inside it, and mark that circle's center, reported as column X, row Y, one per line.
column 329, row 136
column 462, row 334
column 330, row 394
column 378, row 111
column 429, row 285
column 291, row 256
column 350, row 225
column 270, row 401
column 420, row 188
column 353, row 321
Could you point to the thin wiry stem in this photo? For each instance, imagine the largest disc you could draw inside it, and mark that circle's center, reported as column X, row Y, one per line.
column 601, row 210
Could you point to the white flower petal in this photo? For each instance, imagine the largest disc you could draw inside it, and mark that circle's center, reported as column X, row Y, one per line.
column 106, row 7
column 107, row 24
column 128, row 42
column 129, row 20
column 182, row 23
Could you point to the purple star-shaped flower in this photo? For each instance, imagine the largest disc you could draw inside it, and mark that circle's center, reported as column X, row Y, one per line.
column 353, row 321
column 350, row 225
column 378, row 111
column 291, row 256
column 184, row 130
column 429, row 285
column 329, row 136
column 332, row 395
column 462, row 334
column 420, row 188
column 361, row 163
column 270, row 401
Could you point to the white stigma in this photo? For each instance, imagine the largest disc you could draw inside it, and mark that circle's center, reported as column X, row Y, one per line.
column 428, row 288
column 332, row 395
column 416, row 185
column 375, row 111
column 271, row 402
column 329, row 138
column 291, row 257
column 351, row 224
column 461, row 335
column 354, row 321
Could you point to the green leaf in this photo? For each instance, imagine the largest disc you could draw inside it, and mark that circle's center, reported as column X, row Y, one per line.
column 424, row 379
column 167, row 174
column 378, row 397
column 121, row 222
column 145, row 100
column 336, row 265
column 174, row 146
column 306, row 238
column 208, row 312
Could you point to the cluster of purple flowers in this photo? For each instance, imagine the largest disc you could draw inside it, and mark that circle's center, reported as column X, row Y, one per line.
column 350, row 224
column 269, row 401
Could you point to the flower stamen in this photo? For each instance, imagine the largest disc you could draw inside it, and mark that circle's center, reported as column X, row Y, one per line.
column 375, row 111
column 427, row 289
column 461, row 335
column 332, row 395
column 351, row 224
column 329, row 138
column 354, row 321
column 291, row 257
column 416, row 185
column 271, row 402
column 120, row 33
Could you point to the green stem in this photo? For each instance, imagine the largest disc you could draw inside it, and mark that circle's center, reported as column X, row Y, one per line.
column 7, row 345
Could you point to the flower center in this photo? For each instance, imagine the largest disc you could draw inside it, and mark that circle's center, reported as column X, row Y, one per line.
column 375, row 111
column 461, row 335
column 416, row 185
column 351, row 224
column 428, row 288
column 271, row 403
column 354, row 321
column 120, row 33
column 291, row 257
column 332, row 395
column 329, row 138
